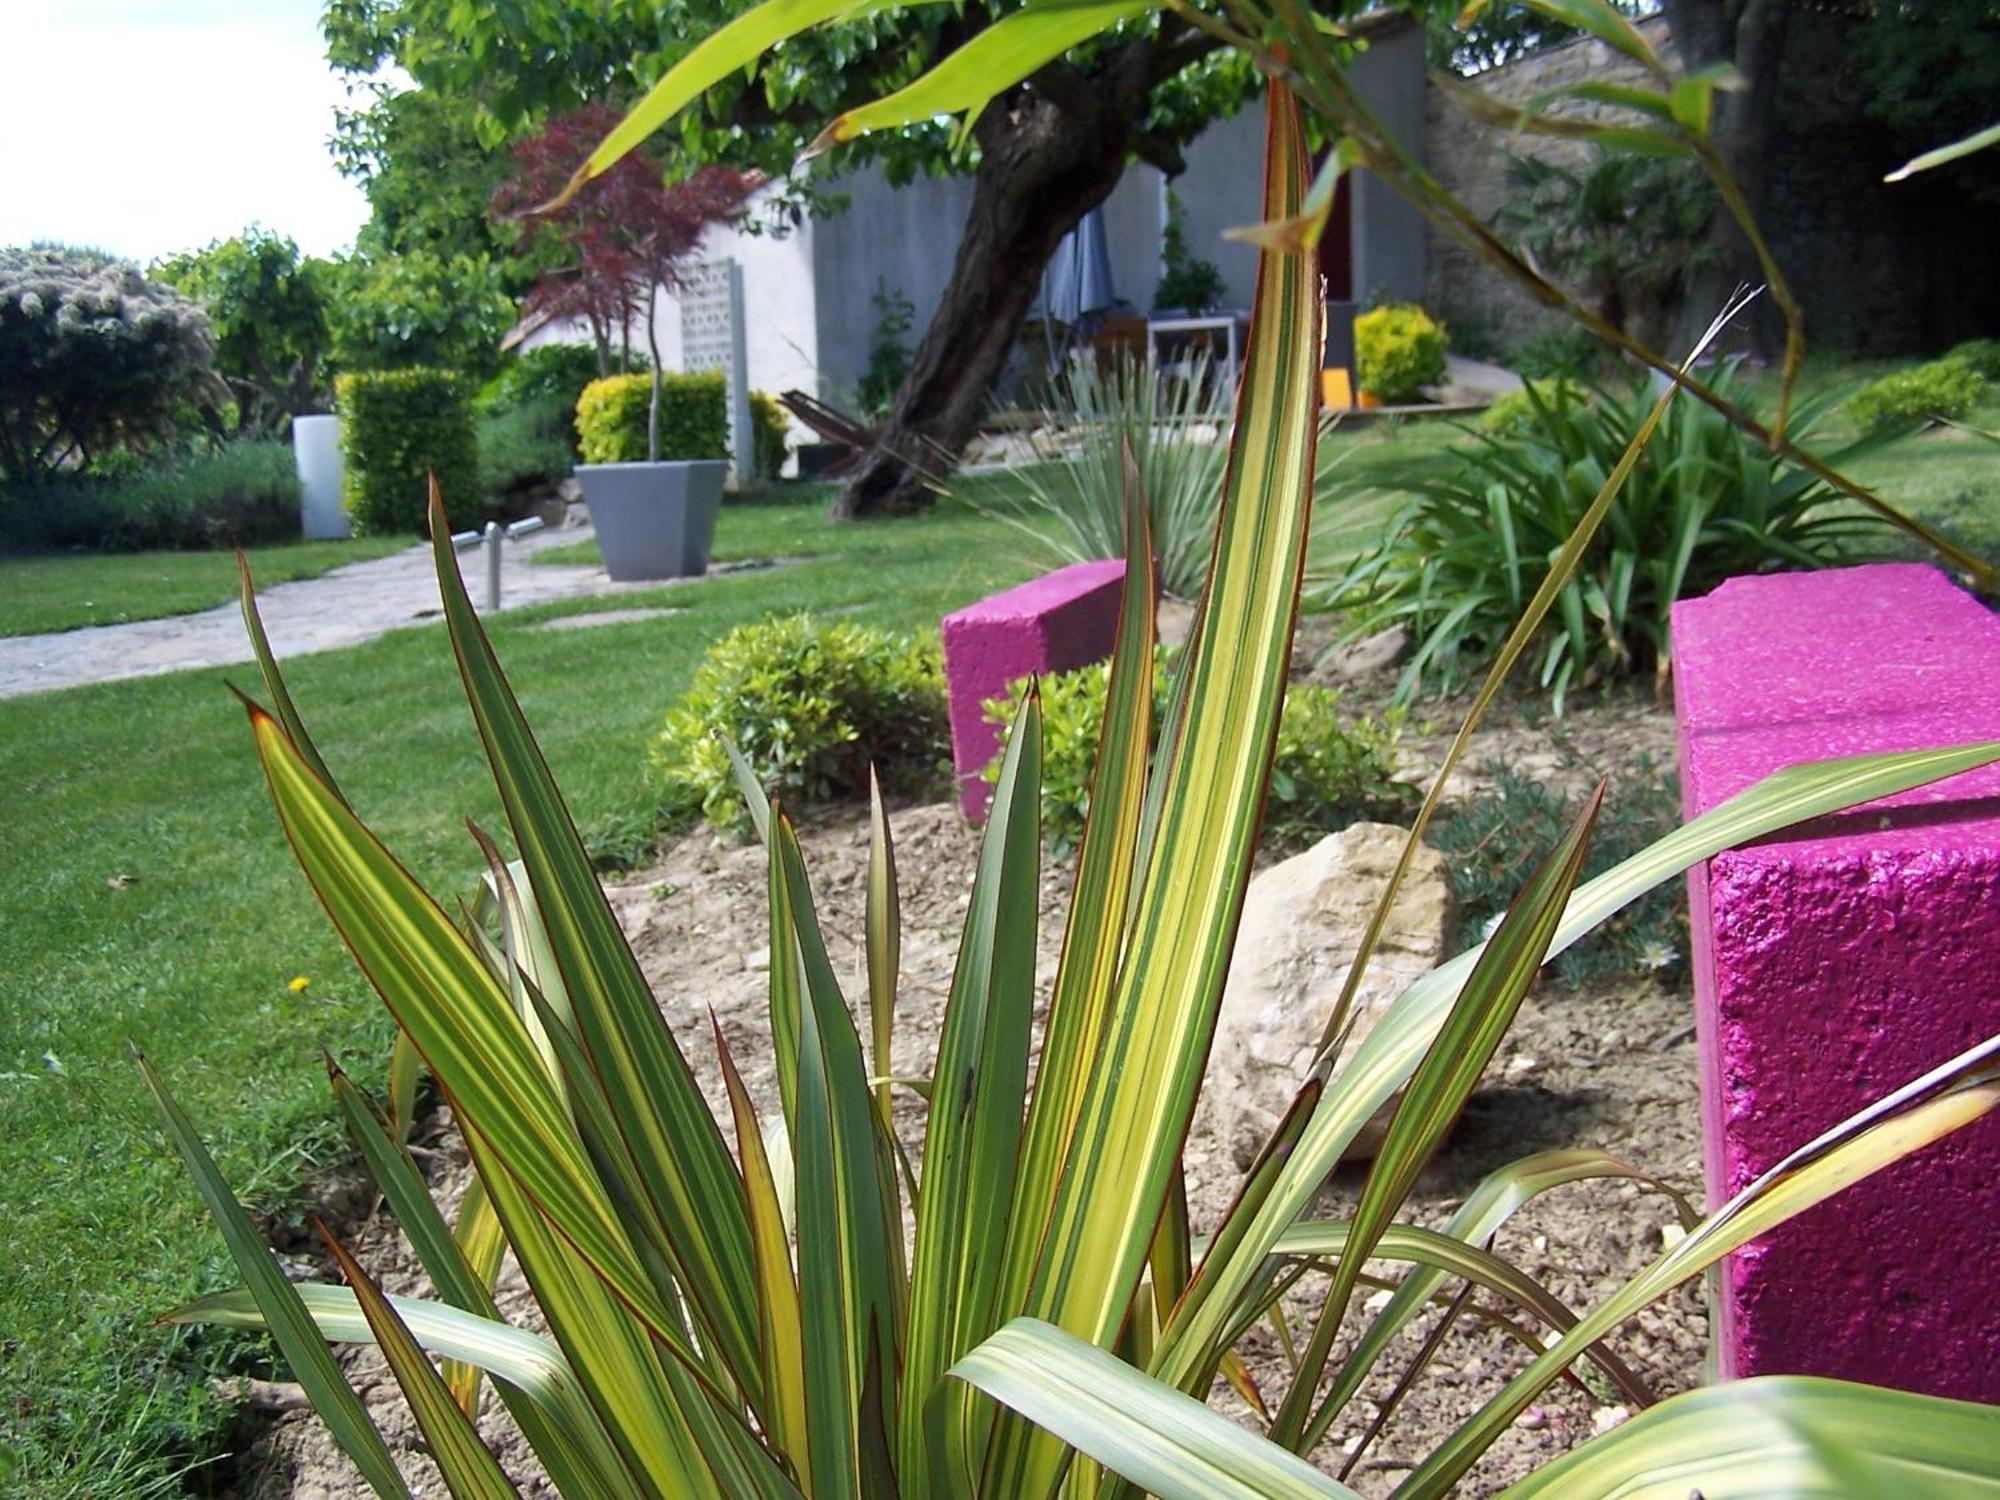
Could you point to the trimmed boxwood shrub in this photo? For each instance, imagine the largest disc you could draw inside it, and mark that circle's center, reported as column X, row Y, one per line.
column 397, row 427
column 1943, row 388
column 811, row 704
column 611, row 418
column 1398, row 350
column 694, row 420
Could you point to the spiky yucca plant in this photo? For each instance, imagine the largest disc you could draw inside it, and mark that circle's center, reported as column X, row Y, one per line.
column 1036, row 1318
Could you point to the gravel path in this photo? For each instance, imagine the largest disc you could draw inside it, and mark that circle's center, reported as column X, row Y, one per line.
column 343, row 607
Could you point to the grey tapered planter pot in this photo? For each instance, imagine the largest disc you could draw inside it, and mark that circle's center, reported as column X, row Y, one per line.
column 654, row 520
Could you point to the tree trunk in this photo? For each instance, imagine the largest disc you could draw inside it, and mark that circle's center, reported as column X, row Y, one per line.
column 1751, row 35
column 1043, row 165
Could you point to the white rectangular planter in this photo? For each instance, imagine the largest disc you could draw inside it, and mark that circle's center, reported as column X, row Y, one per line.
column 654, row 520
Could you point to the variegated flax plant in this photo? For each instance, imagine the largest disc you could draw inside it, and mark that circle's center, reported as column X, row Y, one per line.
column 760, row 1308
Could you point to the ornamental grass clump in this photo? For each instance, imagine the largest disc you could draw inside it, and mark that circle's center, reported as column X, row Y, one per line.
column 778, row 1303
column 1483, row 528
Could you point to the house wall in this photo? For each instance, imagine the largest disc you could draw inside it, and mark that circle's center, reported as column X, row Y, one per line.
column 1391, row 239
column 902, row 239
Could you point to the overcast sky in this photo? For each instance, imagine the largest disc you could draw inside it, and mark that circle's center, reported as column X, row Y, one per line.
column 148, row 126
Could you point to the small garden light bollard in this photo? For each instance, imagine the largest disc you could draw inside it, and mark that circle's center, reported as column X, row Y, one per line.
column 492, row 536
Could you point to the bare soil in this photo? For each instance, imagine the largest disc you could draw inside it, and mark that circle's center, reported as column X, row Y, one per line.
column 1610, row 1066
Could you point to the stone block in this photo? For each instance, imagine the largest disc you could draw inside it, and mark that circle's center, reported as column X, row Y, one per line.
column 1839, row 961
column 1055, row 623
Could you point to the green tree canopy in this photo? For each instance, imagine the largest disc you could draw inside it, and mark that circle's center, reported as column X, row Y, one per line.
column 267, row 306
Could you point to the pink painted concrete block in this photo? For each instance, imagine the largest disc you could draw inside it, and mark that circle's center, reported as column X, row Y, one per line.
column 1055, row 623
column 1842, row 960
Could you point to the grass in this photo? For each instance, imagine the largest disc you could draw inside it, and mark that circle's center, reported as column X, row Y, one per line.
column 152, row 899
column 68, row 591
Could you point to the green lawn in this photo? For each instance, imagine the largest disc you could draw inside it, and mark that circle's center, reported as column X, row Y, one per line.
column 67, row 591
column 150, row 898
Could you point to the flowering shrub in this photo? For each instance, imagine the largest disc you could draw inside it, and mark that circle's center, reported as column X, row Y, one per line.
column 93, row 357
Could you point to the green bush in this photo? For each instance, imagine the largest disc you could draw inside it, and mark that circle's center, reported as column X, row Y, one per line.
column 773, row 427
column 397, row 427
column 1491, row 844
column 1325, row 773
column 1398, row 350
column 811, row 704
column 1705, row 502
column 520, row 449
column 549, row 380
column 1516, row 411
column 1943, row 388
column 238, row 496
column 1554, row 352
column 1982, row 354
column 694, row 420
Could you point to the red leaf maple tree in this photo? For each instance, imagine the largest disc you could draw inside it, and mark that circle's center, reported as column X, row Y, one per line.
column 627, row 234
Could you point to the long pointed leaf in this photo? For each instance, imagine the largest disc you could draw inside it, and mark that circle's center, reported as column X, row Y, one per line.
column 1944, row 1100
column 1167, row 1443
column 1385, row 1059
column 1789, row 1435
column 778, row 1287
column 675, row 1142
column 1438, row 1089
column 278, row 1300
column 469, row 1470
column 999, row 57
column 1141, row 1091
column 1099, row 896
column 850, row 1249
column 971, row 1149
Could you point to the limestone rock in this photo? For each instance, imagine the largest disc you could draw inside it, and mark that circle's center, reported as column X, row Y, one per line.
column 1302, row 921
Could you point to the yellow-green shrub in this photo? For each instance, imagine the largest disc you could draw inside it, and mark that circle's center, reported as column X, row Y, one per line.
column 694, row 420
column 1398, row 350
column 1943, row 388
column 398, row 427
column 1325, row 774
column 1517, row 411
column 811, row 704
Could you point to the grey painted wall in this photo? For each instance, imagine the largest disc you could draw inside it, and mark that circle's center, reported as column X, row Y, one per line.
column 904, row 238
column 1223, row 188
column 1390, row 238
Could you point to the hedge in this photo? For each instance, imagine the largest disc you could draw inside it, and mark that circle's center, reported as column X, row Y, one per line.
column 239, row 496
column 397, row 427
column 694, row 420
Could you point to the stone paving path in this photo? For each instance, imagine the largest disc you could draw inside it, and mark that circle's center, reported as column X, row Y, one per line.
column 343, row 607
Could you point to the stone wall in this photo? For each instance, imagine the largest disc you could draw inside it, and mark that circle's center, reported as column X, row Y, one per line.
column 1878, row 268
column 1483, row 307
